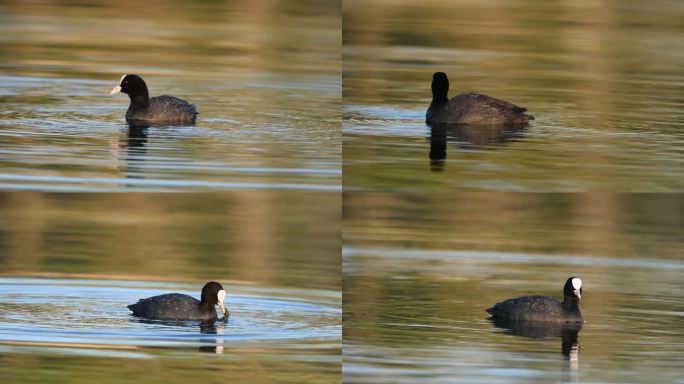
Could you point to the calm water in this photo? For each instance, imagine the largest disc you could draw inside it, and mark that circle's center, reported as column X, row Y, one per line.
column 603, row 80
column 71, row 262
column 266, row 81
column 420, row 270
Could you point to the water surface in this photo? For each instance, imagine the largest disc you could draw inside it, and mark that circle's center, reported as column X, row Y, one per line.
column 420, row 270
column 70, row 263
column 265, row 81
column 87, row 319
column 603, row 81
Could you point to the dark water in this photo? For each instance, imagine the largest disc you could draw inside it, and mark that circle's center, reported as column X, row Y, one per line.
column 602, row 80
column 264, row 79
column 420, row 270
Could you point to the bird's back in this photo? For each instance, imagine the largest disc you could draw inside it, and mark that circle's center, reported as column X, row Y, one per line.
column 529, row 308
column 171, row 306
column 163, row 110
column 476, row 108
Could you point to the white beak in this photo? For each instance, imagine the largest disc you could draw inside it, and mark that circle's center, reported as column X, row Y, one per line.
column 221, row 296
column 577, row 293
column 116, row 89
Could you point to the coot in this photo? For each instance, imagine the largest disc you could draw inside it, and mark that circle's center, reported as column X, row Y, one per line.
column 471, row 108
column 176, row 306
column 144, row 110
column 543, row 308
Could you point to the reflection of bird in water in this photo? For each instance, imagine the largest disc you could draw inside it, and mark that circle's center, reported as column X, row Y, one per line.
column 213, row 345
column 208, row 343
column 476, row 135
column 137, row 136
column 132, row 150
column 536, row 330
column 472, row 117
column 438, row 144
column 542, row 317
column 470, row 108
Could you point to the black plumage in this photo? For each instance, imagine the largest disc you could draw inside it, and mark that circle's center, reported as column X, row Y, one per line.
column 176, row 306
column 471, row 108
column 146, row 110
column 543, row 308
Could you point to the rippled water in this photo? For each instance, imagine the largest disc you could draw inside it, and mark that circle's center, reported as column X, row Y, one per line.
column 602, row 80
column 89, row 318
column 420, row 270
column 71, row 312
column 70, row 263
column 266, row 86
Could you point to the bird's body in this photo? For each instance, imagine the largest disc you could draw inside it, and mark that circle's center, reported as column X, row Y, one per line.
column 542, row 308
column 158, row 110
column 162, row 110
column 173, row 306
column 177, row 306
column 471, row 108
column 477, row 109
column 535, row 308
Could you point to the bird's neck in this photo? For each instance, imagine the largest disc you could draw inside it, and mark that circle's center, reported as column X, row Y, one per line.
column 570, row 303
column 141, row 100
column 439, row 97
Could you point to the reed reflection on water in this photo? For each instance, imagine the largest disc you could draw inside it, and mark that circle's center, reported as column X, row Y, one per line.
column 275, row 238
